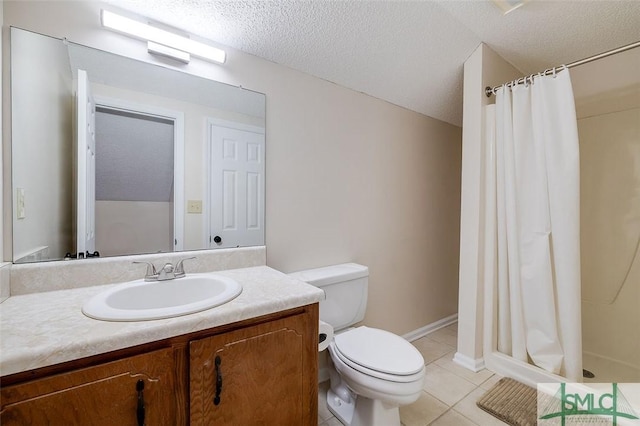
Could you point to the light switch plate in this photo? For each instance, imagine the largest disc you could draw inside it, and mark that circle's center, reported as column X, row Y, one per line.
column 194, row 206
column 20, row 208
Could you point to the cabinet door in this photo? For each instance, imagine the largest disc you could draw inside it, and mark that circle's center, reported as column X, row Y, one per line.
column 260, row 375
column 102, row 395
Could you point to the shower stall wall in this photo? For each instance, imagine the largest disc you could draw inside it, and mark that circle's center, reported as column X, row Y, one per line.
column 607, row 94
column 610, row 238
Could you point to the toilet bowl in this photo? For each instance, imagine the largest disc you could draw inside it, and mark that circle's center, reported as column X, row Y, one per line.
column 377, row 372
column 373, row 372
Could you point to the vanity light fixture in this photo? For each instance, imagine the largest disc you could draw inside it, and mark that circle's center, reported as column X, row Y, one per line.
column 170, row 52
column 160, row 41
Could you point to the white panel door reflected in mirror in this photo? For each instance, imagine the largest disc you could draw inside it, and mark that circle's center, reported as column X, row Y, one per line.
column 236, row 164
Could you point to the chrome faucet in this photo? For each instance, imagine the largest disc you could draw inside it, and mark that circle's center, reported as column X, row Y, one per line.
column 167, row 272
column 179, row 270
column 151, row 274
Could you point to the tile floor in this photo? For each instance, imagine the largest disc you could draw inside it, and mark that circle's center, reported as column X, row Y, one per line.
column 449, row 394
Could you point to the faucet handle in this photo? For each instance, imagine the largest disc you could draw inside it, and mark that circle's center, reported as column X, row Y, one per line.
column 179, row 271
column 151, row 269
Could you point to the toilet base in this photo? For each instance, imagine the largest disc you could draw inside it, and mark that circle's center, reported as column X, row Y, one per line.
column 353, row 409
column 373, row 412
column 343, row 410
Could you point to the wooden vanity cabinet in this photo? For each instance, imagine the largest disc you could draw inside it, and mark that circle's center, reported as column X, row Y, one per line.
column 107, row 394
column 266, row 375
column 259, row 375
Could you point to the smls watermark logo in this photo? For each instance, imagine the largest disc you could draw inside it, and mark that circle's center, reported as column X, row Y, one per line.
column 576, row 404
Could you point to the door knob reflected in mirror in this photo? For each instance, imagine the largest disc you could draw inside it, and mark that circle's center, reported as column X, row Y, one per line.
column 217, row 239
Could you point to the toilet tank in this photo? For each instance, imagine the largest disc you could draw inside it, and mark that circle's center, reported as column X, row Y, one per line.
column 345, row 287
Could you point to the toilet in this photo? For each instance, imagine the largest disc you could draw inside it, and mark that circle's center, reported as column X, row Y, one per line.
column 373, row 372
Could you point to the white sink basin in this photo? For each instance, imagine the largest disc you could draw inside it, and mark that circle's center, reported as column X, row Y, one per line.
column 140, row 300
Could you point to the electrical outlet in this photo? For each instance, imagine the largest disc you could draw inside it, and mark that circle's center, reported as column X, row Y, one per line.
column 194, row 206
column 20, row 208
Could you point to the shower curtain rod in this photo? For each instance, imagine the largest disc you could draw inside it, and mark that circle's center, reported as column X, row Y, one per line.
column 492, row 90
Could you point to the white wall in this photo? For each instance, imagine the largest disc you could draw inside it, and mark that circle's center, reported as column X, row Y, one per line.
column 7, row 193
column 4, row 268
column 348, row 177
column 42, row 79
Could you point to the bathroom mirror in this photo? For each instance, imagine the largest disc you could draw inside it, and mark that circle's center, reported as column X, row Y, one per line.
column 113, row 156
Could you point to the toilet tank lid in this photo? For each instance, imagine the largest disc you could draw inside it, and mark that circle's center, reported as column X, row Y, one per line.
column 331, row 274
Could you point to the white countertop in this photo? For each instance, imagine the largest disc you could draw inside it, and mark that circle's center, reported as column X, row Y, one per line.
column 41, row 329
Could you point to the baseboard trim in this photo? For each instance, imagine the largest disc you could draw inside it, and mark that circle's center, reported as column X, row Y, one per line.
column 474, row 365
column 430, row 328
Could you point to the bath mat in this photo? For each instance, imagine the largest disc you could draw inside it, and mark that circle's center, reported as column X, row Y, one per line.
column 512, row 402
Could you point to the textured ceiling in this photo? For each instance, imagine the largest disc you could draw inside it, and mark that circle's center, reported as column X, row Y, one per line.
column 410, row 53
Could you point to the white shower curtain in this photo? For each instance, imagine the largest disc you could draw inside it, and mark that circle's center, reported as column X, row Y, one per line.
column 537, row 224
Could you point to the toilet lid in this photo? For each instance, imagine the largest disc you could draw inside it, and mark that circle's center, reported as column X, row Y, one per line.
column 379, row 350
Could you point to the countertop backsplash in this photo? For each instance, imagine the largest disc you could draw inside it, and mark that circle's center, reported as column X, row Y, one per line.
column 5, row 289
column 60, row 275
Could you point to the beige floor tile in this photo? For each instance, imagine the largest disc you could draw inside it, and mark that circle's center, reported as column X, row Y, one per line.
column 431, row 350
column 331, row 422
column 452, row 418
column 446, row 336
column 323, row 410
column 447, row 363
column 422, row 412
column 446, row 386
column 488, row 384
column 453, row 326
column 468, row 408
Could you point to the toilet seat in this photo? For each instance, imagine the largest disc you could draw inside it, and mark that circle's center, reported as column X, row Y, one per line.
column 373, row 373
column 379, row 354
